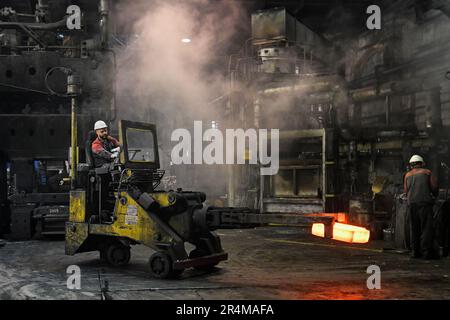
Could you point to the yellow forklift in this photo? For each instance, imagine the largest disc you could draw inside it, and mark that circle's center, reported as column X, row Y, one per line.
column 133, row 212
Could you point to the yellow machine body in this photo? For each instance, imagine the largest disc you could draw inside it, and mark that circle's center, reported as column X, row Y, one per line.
column 131, row 221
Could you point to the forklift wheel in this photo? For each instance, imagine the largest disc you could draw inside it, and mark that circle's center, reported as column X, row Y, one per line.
column 117, row 255
column 161, row 266
column 197, row 253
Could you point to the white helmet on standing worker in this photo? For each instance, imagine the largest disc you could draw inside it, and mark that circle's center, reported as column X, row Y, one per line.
column 416, row 158
column 100, row 125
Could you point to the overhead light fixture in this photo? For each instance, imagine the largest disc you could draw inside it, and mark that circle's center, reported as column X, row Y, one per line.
column 186, row 40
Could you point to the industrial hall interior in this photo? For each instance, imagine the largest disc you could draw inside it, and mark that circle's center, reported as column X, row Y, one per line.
column 224, row 149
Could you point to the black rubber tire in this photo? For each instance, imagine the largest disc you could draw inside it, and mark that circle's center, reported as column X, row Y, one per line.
column 197, row 253
column 117, row 255
column 161, row 267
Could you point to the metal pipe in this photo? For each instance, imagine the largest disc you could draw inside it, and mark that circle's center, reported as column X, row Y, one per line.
column 73, row 89
column 35, row 26
column 104, row 22
column 365, row 94
column 386, row 89
column 114, row 100
column 388, row 110
column 307, row 87
column 22, row 88
column 74, row 143
column 50, row 47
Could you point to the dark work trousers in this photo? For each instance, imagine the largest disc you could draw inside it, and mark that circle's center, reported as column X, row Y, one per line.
column 422, row 230
column 104, row 192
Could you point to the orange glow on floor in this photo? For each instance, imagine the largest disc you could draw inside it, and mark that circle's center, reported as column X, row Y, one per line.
column 343, row 232
column 318, row 229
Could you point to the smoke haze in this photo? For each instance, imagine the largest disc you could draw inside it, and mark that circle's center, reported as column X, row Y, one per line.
column 170, row 83
column 161, row 72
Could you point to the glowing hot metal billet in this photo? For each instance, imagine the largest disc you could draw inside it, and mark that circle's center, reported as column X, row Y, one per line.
column 343, row 232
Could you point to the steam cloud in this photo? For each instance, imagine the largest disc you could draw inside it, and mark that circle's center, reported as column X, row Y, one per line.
column 162, row 73
column 165, row 81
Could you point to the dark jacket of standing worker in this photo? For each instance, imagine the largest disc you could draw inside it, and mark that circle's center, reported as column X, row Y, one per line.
column 421, row 188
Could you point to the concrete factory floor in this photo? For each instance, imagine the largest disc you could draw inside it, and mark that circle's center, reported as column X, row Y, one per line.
column 264, row 263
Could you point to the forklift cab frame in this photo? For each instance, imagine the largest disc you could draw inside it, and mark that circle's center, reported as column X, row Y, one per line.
column 129, row 132
column 132, row 138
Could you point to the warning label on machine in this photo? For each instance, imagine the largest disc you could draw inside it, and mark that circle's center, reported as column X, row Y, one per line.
column 131, row 217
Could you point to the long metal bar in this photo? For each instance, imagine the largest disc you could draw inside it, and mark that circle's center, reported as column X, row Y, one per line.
column 74, row 142
column 231, row 218
column 296, row 219
column 23, row 88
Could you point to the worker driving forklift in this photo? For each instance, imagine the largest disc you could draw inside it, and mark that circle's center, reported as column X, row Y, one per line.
column 138, row 213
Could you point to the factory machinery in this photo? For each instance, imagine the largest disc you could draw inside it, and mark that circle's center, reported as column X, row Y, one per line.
column 351, row 109
column 54, row 83
column 53, row 79
column 39, row 54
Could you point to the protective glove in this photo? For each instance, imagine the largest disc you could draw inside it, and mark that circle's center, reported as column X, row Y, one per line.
column 116, row 150
column 114, row 155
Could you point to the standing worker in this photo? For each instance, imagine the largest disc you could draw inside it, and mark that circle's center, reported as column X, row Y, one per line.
column 421, row 189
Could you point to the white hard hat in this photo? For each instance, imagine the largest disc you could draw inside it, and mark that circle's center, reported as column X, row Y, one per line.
column 416, row 158
column 100, row 125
